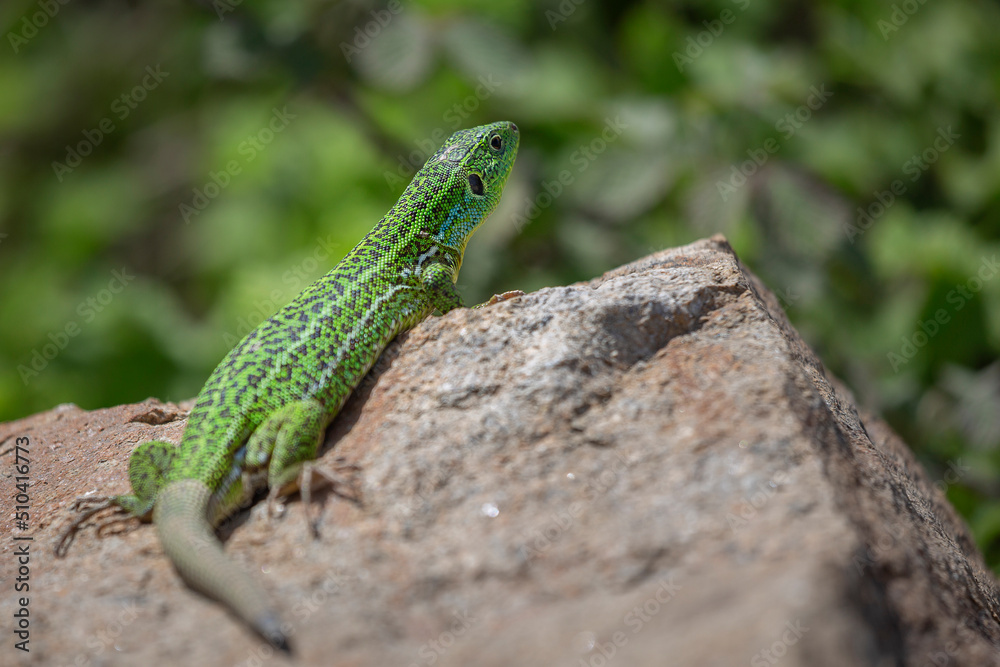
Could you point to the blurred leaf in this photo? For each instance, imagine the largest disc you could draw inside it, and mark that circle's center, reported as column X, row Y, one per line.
column 397, row 56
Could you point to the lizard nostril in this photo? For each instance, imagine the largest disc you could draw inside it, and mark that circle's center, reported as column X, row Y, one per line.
column 513, row 127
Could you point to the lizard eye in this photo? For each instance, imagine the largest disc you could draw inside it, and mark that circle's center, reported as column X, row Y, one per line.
column 496, row 143
column 476, row 184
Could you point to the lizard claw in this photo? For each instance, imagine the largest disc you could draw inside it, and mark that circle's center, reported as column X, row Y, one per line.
column 99, row 504
column 275, row 506
column 333, row 478
column 304, row 483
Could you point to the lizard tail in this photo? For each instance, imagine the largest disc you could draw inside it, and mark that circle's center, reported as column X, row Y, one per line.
column 190, row 542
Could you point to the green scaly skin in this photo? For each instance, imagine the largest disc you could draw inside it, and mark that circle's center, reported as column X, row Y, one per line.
column 262, row 414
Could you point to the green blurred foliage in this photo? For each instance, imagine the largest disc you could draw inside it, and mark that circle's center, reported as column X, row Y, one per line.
column 219, row 156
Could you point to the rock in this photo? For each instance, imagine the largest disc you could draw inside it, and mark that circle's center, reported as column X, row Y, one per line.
column 650, row 468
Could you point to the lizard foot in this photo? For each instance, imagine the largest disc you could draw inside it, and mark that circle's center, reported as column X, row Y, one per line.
column 97, row 504
column 497, row 298
column 304, row 484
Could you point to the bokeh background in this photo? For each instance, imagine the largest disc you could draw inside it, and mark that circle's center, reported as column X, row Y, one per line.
column 173, row 172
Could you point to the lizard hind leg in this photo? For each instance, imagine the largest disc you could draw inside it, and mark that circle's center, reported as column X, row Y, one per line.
column 147, row 470
column 287, row 443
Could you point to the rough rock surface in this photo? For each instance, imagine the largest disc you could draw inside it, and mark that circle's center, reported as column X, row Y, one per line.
column 650, row 468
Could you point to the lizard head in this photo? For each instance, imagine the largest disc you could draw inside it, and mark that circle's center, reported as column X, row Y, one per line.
column 460, row 185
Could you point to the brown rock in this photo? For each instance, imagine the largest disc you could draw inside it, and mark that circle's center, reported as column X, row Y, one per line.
column 647, row 469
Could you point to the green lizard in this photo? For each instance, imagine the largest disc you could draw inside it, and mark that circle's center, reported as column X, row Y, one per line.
column 260, row 418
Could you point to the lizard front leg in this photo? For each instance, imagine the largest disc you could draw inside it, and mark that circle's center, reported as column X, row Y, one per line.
column 439, row 284
column 437, row 281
